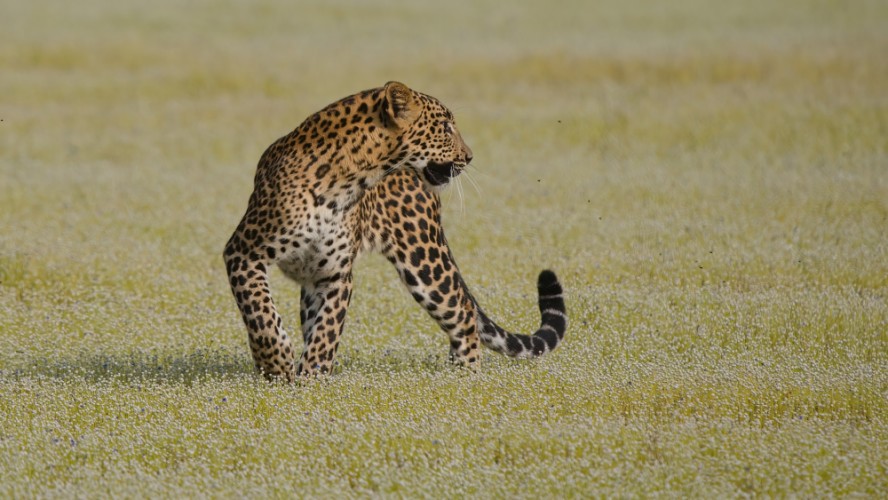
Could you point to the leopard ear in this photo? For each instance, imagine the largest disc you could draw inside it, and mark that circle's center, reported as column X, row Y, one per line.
column 401, row 106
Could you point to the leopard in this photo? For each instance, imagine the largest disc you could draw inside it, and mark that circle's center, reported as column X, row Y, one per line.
column 364, row 174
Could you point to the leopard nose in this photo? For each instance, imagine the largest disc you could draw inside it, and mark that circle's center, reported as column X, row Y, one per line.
column 468, row 156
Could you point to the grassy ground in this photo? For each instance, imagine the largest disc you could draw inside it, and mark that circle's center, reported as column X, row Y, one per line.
column 710, row 181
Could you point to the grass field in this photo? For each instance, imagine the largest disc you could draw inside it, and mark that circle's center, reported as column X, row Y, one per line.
column 709, row 179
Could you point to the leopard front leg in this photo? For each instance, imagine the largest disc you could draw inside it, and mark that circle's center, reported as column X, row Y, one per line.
column 323, row 308
column 404, row 224
column 435, row 283
column 270, row 345
column 431, row 276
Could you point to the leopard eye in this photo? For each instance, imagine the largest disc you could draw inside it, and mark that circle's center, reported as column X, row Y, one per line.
column 448, row 127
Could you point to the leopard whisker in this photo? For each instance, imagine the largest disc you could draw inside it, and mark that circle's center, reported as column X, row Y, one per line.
column 459, row 190
column 474, row 168
column 454, row 183
column 468, row 175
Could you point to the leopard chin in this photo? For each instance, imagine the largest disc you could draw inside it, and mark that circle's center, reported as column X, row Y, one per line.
column 439, row 174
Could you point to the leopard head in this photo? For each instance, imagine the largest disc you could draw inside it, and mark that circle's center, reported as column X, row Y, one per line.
column 431, row 143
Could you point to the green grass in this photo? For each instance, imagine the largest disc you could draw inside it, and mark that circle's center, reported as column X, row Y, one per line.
column 710, row 182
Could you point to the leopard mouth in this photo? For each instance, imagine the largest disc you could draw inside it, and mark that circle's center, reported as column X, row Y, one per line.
column 441, row 173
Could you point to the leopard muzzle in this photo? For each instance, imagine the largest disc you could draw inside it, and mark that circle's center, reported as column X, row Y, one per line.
column 437, row 174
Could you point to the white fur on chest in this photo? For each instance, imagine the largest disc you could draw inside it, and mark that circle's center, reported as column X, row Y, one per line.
column 318, row 245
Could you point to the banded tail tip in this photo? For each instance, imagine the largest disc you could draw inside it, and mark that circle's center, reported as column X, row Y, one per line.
column 547, row 280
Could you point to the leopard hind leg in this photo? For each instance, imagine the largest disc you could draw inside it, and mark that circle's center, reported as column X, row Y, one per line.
column 323, row 306
column 247, row 269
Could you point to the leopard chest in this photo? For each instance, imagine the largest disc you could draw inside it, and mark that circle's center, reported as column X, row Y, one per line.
column 322, row 245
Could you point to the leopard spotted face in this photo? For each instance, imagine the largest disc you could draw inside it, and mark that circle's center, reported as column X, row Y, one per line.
column 440, row 145
column 435, row 148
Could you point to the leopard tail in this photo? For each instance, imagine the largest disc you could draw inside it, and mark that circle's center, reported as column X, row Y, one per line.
column 546, row 338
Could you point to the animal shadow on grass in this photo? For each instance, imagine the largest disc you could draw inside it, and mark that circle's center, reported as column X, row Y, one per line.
column 140, row 366
column 167, row 366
